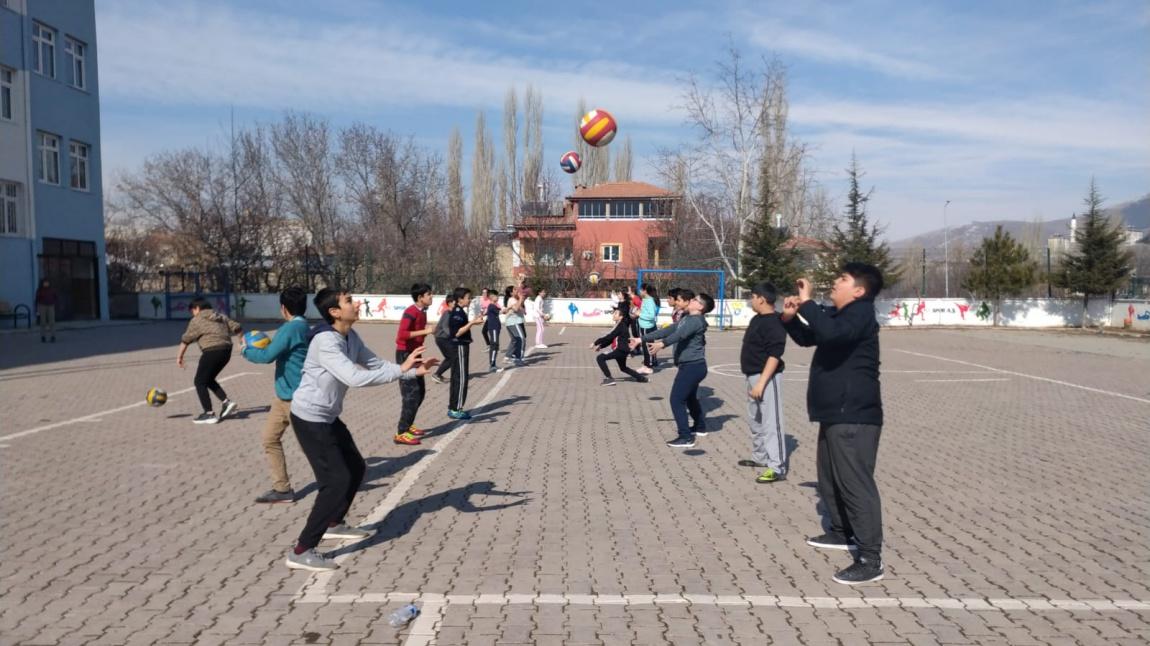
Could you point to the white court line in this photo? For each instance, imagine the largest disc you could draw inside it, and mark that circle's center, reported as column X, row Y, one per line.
column 1023, row 374
column 951, row 381
column 1032, row 604
column 316, row 585
column 426, row 625
column 561, row 331
column 95, row 416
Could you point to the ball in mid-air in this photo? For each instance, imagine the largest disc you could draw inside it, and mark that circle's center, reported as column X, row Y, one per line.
column 598, row 127
column 156, row 397
column 593, row 278
column 257, row 339
column 570, row 161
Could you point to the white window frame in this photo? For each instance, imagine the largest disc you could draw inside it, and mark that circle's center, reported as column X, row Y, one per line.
column 43, row 139
column 7, row 93
column 75, row 50
column 44, row 49
column 9, row 208
column 604, row 256
column 78, row 155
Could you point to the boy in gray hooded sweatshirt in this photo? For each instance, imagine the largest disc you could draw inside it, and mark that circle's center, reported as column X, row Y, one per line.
column 336, row 360
column 689, row 336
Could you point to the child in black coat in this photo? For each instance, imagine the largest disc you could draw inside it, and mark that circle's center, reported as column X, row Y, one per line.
column 619, row 340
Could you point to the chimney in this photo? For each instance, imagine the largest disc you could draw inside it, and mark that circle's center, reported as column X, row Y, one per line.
column 1073, row 227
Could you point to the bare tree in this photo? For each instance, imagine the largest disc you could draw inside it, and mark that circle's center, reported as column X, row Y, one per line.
column 482, row 178
column 624, row 162
column 596, row 159
column 532, row 142
column 509, row 195
column 455, row 204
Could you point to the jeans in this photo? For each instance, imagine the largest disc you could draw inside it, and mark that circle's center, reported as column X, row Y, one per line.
column 338, row 468
column 684, row 398
column 212, row 363
column 411, row 393
column 846, row 458
column 518, row 334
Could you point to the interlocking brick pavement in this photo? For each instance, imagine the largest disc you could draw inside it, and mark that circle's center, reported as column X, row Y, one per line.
column 1015, row 505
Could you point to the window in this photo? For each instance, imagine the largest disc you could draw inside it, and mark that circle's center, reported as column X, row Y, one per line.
column 6, row 78
column 49, row 158
column 625, row 209
column 658, row 209
column 75, row 51
column 9, row 222
column 78, row 154
column 610, row 252
column 44, row 50
column 592, row 209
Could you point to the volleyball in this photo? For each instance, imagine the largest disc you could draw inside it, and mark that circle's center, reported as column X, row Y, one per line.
column 257, row 339
column 598, row 127
column 570, row 161
column 593, row 278
column 156, row 397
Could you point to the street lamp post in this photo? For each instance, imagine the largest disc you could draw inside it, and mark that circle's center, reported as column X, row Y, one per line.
column 946, row 250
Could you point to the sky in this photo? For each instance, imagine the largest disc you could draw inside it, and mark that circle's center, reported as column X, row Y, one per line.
column 1006, row 109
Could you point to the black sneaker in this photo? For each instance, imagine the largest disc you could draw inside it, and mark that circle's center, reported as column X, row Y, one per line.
column 607, row 382
column 641, row 379
column 832, row 542
column 229, row 409
column 437, row 379
column 272, row 496
column 681, row 443
column 863, row 571
column 206, row 418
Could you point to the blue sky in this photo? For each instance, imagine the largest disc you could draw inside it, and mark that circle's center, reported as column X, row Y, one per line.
column 1005, row 108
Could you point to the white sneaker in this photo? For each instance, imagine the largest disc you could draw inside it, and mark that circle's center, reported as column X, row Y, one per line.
column 345, row 531
column 310, row 560
column 540, row 347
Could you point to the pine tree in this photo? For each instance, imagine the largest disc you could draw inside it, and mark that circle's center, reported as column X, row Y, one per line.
column 1000, row 267
column 765, row 254
column 857, row 240
column 1098, row 265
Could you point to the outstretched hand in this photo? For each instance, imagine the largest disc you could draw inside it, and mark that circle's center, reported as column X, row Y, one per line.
column 414, row 359
column 425, row 366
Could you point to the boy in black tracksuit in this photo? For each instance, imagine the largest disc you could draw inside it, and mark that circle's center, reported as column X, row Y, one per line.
column 844, row 396
column 491, row 329
column 459, row 328
column 621, row 336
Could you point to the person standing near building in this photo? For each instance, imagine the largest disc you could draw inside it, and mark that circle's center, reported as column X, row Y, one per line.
column 412, row 332
column 844, row 396
column 46, row 310
column 761, row 359
column 288, row 349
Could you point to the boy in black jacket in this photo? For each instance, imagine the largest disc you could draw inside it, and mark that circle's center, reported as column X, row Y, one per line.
column 845, row 398
column 621, row 335
column 459, row 327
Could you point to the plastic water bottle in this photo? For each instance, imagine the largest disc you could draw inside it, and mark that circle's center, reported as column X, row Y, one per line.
column 403, row 615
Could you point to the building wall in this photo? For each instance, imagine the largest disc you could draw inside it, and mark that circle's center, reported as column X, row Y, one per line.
column 632, row 235
column 54, row 106
column 17, row 256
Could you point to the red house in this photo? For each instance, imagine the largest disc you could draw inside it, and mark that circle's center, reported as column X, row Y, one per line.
column 613, row 229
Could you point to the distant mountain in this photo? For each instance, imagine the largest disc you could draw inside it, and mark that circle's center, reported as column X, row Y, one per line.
column 1135, row 214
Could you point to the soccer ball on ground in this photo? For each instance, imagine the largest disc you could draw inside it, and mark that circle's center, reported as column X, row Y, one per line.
column 156, row 397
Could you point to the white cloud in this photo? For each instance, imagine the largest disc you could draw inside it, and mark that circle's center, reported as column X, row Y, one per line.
column 828, row 48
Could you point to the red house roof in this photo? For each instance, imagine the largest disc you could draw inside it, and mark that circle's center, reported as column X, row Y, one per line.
column 609, row 190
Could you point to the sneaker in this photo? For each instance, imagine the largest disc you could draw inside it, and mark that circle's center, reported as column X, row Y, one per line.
column 418, row 432
column 770, row 475
column 701, row 431
column 681, row 443
column 343, row 530
column 207, row 417
column 641, row 379
column 458, row 414
column 406, row 438
column 831, row 542
column 229, row 408
column 437, row 379
column 644, row 370
column 752, row 463
column 310, row 560
column 864, row 570
column 541, row 346
column 607, row 382
column 272, row 496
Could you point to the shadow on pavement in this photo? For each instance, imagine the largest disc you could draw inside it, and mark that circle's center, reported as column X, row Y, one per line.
column 24, row 349
column 378, row 468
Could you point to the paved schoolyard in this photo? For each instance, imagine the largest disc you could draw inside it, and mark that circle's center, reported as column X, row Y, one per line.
column 1013, row 468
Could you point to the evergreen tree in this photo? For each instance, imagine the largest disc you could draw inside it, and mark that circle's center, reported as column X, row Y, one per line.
column 765, row 254
column 857, row 240
column 1000, row 267
column 1098, row 265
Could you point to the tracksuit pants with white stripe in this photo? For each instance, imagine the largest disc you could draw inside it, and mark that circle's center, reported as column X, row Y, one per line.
column 768, row 441
column 491, row 336
column 459, row 375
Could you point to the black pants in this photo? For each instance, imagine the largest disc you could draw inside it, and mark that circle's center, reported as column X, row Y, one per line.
column 518, row 333
column 684, row 398
column 411, row 393
column 447, row 348
column 846, row 457
column 338, row 468
column 648, row 360
column 211, row 364
column 634, row 329
column 492, row 338
column 459, row 376
column 619, row 355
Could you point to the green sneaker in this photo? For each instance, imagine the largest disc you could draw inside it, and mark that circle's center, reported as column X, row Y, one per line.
column 770, row 475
